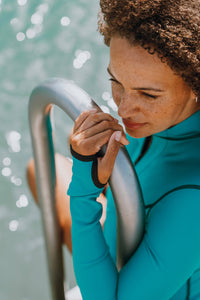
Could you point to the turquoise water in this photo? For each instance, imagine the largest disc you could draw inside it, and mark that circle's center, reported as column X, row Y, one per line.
column 39, row 39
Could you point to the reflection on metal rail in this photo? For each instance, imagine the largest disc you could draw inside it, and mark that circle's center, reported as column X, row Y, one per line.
column 123, row 182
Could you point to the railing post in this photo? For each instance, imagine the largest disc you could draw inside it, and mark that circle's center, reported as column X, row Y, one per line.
column 123, row 182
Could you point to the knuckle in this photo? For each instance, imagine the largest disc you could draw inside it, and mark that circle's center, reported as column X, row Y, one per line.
column 81, row 116
column 110, row 132
column 105, row 123
column 75, row 140
column 85, row 112
column 83, row 146
column 94, row 117
column 90, row 119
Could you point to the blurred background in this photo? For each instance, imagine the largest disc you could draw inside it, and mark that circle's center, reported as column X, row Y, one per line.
column 39, row 39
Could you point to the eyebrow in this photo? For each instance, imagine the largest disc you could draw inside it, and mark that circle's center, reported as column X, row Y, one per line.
column 137, row 88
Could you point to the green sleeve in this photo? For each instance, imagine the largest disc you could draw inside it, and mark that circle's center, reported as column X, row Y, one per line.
column 167, row 256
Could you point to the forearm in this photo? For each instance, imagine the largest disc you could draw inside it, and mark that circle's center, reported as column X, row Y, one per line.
column 149, row 273
column 95, row 270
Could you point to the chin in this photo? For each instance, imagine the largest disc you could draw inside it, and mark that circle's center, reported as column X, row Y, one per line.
column 137, row 134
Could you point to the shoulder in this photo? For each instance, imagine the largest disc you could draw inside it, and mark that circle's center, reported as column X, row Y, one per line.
column 174, row 224
column 178, row 209
column 182, row 192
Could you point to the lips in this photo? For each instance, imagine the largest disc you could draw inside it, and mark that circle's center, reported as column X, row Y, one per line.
column 132, row 125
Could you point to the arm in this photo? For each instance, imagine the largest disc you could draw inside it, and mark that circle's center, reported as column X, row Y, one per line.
column 91, row 131
column 88, row 244
column 170, row 250
column 166, row 258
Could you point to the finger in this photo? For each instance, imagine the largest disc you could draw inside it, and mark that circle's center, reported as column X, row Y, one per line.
column 105, row 125
column 106, row 163
column 90, row 141
column 106, row 121
column 90, row 145
column 100, row 127
column 82, row 117
column 94, row 119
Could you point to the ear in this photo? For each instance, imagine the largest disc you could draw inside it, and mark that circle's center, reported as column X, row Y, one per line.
column 193, row 97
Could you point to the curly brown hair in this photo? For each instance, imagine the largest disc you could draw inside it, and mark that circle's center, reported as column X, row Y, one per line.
column 169, row 27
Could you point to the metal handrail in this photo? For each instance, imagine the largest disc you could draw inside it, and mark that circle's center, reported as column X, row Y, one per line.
column 123, row 182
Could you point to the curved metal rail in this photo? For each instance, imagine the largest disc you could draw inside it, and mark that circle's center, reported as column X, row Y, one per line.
column 123, row 182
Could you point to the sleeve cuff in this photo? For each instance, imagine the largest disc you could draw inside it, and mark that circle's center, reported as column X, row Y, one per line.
column 85, row 175
column 85, row 157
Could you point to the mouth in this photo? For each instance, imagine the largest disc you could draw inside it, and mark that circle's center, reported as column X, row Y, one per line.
column 132, row 125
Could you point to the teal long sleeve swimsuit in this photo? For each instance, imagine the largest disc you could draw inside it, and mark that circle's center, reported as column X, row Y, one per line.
column 166, row 265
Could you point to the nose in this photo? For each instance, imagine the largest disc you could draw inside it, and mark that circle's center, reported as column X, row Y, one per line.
column 128, row 106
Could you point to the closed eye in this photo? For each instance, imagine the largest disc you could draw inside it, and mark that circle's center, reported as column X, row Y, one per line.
column 113, row 80
column 149, row 95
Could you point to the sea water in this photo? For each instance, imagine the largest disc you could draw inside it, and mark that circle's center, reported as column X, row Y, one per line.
column 39, row 40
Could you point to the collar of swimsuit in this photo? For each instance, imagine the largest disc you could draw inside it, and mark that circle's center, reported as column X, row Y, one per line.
column 189, row 128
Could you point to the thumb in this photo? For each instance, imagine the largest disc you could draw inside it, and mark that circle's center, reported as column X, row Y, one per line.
column 106, row 163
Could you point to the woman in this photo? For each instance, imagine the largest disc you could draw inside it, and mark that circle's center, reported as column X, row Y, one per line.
column 155, row 73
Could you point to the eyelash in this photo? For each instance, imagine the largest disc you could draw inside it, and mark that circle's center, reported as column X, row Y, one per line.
column 150, row 96
column 143, row 93
column 112, row 79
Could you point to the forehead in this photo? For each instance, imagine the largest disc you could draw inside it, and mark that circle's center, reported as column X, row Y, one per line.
column 135, row 63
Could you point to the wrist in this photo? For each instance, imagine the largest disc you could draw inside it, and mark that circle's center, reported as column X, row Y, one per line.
column 85, row 175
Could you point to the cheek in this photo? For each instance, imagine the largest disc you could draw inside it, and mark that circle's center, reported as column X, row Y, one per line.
column 117, row 93
column 164, row 113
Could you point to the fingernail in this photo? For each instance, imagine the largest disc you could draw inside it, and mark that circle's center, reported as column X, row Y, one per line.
column 118, row 136
column 124, row 140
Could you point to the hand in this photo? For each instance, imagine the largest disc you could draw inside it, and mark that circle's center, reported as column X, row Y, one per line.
column 92, row 130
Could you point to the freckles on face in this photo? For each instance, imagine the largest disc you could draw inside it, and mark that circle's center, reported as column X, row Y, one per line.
column 149, row 96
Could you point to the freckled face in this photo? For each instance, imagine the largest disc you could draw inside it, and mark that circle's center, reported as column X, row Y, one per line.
column 149, row 96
